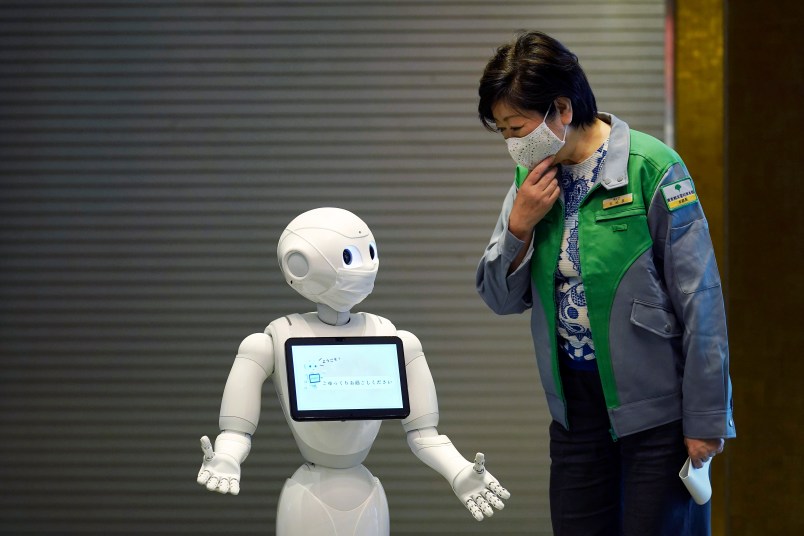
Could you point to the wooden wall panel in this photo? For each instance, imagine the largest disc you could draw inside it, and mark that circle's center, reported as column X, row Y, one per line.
column 764, row 159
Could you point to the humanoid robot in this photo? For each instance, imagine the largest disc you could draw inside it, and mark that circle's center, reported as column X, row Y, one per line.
column 329, row 256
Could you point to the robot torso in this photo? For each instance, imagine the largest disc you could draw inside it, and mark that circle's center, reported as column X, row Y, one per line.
column 336, row 444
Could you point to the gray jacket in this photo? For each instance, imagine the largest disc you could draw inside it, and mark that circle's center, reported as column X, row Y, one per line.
column 652, row 287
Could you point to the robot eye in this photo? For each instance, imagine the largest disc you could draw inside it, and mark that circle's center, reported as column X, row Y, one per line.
column 372, row 251
column 351, row 257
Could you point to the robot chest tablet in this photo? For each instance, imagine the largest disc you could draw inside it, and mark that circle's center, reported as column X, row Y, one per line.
column 346, row 378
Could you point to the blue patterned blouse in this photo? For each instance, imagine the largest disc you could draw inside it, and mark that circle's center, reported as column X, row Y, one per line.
column 574, row 332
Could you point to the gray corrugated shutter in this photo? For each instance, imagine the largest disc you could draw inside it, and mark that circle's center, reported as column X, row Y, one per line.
column 151, row 153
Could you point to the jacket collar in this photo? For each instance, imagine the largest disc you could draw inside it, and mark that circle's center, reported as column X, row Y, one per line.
column 614, row 172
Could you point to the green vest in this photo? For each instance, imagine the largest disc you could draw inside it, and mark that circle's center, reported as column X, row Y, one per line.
column 609, row 241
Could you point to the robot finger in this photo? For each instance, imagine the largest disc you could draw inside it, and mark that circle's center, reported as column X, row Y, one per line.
column 206, row 448
column 234, row 486
column 223, row 486
column 203, row 476
column 474, row 510
column 495, row 502
column 480, row 463
column 212, row 483
column 500, row 491
column 484, row 506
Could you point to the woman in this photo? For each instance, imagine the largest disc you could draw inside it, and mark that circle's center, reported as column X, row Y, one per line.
column 603, row 237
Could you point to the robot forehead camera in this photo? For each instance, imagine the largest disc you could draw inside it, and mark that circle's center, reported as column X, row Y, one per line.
column 329, row 255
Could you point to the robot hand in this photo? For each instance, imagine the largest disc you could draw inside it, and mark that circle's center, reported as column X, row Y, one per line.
column 220, row 471
column 479, row 490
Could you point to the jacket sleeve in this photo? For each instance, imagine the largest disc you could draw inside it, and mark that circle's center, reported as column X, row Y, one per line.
column 503, row 293
column 684, row 253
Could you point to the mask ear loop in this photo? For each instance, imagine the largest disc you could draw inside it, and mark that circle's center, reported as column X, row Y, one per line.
column 547, row 113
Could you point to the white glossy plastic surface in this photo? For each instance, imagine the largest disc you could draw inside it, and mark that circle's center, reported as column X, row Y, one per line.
column 329, row 256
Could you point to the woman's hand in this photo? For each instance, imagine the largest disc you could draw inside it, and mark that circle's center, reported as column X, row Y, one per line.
column 701, row 450
column 534, row 199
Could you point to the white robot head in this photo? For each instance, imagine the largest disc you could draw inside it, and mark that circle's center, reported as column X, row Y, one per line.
column 328, row 255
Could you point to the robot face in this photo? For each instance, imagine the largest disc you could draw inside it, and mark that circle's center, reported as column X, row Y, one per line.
column 329, row 256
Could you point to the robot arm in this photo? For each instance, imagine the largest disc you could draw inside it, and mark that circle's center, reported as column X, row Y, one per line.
column 240, row 414
column 476, row 488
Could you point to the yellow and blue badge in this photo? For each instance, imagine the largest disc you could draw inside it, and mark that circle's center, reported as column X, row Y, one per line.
column 679, row 194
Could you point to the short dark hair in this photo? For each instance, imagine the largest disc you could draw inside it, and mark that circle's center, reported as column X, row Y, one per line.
column 529, row 73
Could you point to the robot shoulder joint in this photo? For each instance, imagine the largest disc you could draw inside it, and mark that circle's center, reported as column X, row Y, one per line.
column 258, row 347
column 412, row 345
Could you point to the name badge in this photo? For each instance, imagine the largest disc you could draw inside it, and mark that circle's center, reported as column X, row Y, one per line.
column 617, row 201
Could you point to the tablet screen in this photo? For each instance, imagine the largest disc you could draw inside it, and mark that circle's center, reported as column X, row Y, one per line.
column 346, row 378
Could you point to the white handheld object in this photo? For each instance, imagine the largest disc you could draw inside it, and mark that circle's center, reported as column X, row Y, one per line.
column 697, row 481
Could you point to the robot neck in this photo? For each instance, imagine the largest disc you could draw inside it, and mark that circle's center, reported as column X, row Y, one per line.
column 330, row 316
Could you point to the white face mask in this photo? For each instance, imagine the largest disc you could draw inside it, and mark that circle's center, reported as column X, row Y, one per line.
column 351, row 287
column 529, row 150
